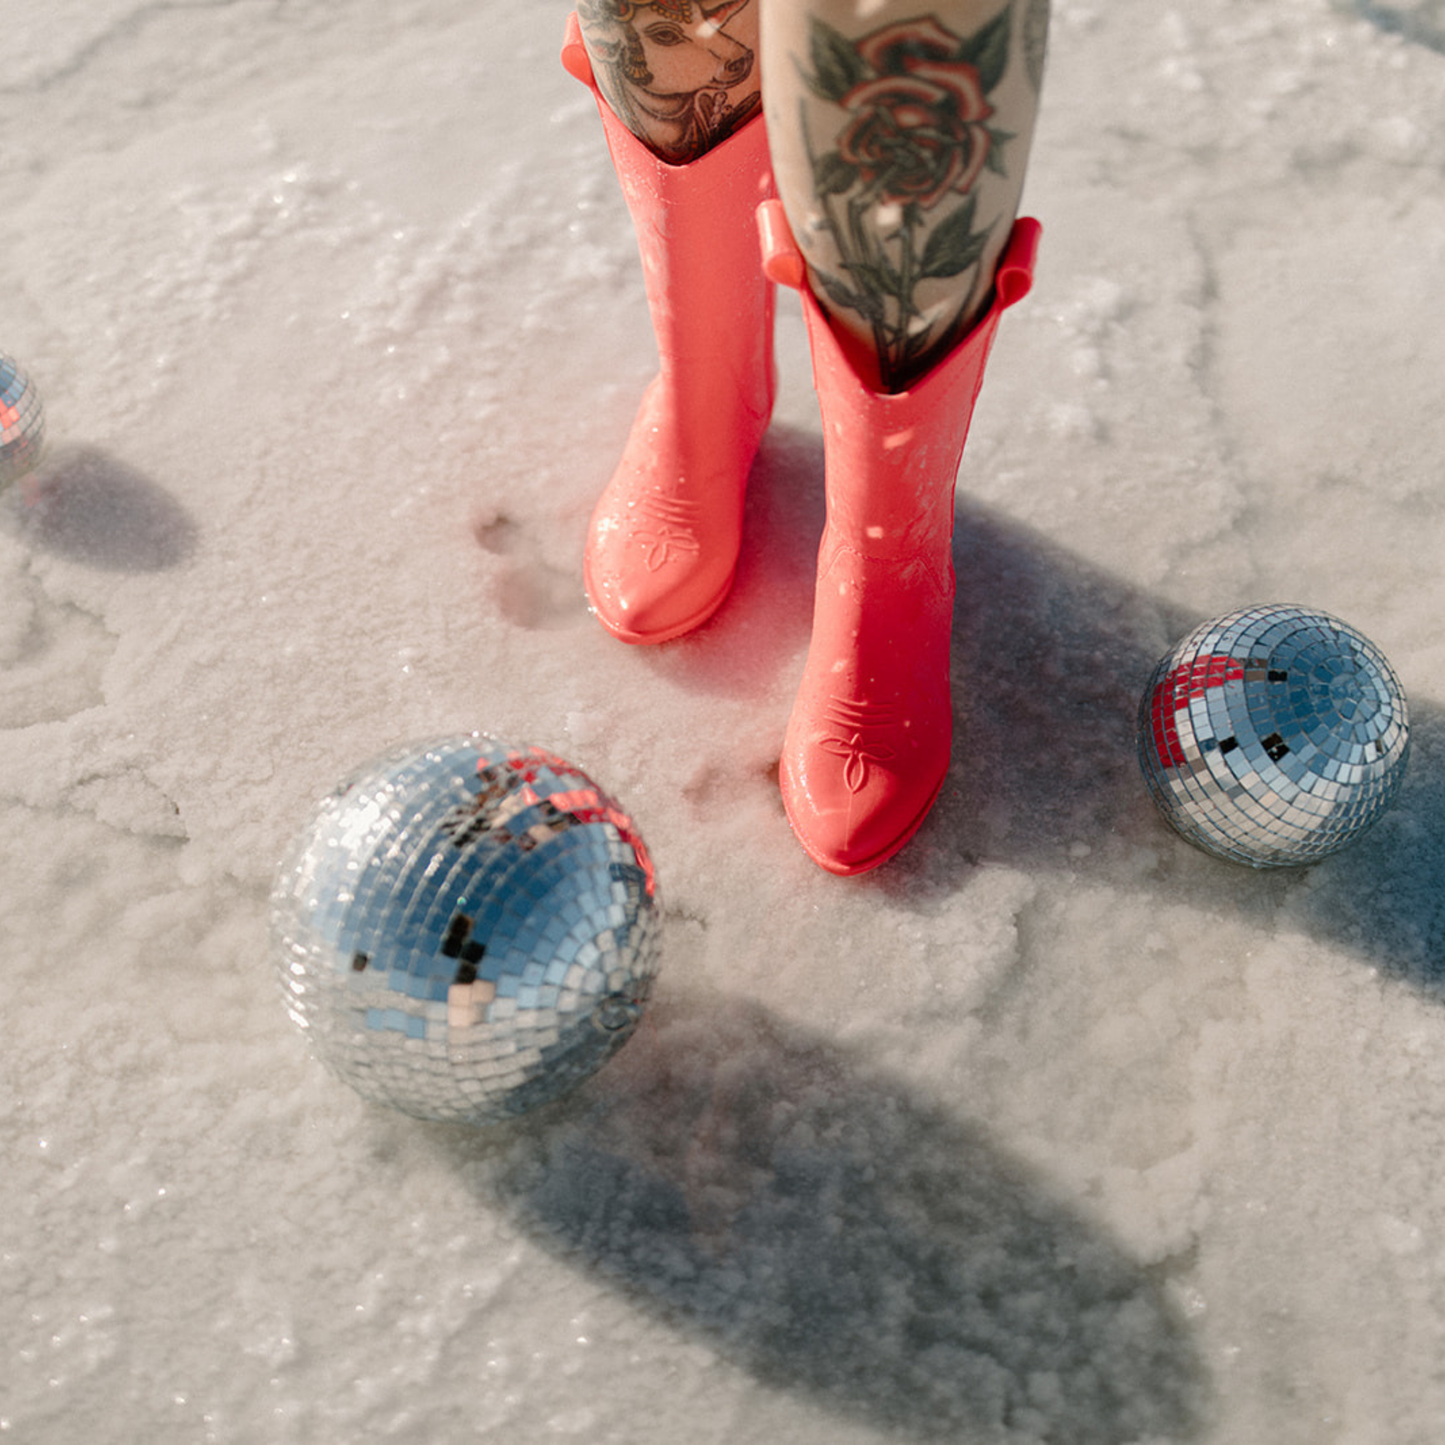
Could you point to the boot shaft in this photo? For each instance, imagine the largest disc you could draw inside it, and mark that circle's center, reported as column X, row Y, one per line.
column 893, row 457
column 696, row 236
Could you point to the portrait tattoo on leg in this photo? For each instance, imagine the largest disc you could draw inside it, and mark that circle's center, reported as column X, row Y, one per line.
column 679, row 74
column 896, row 189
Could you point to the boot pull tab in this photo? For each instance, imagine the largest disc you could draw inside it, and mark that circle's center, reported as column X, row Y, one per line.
column 782, row 260
column 1014, row 278
column 575, row 60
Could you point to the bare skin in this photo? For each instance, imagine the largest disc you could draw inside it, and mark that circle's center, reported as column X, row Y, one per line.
column 899, row 132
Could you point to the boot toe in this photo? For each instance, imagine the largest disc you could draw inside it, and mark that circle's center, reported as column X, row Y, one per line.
column 850, row 816
column 640, row 606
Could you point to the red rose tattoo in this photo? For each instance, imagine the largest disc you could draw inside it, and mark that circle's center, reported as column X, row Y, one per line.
column 917, row 98
column 918, row 130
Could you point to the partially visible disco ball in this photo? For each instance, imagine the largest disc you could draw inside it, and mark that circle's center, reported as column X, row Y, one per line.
column 22, row 423
column 1273, row 736
column 466, row 929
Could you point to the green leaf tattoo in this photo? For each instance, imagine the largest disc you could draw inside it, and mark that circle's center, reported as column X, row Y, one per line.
column 837, row 67
column 952, row 246
column 987, row 51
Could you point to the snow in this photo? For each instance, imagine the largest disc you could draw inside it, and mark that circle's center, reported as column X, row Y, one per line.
column 1050, row 1130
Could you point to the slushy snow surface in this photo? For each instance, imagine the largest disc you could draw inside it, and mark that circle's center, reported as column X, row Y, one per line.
column 1052, row 1130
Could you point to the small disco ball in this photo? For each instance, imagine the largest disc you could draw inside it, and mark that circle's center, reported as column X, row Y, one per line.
column 1273, row 736
column 466, row 929
column 22, row 423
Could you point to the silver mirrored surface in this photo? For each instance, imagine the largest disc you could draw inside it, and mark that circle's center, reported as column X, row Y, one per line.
column 1273, row 736
column 22, row 423
column 466, row 929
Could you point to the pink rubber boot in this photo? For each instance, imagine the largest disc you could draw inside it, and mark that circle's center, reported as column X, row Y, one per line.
column 867, row 745
column 662, row 546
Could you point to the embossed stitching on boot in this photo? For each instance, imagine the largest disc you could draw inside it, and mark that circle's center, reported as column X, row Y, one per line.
column 855, row 726
column 666, row 528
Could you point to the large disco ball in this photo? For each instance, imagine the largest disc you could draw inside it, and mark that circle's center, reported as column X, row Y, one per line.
column 466, row 929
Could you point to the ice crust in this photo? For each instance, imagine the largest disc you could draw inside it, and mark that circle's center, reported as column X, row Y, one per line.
column 1051, row 1130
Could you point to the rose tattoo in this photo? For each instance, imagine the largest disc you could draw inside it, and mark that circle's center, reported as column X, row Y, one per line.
column 918, row 134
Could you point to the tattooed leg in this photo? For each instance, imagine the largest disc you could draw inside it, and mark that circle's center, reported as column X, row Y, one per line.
column 681, row 75
column 662, row 546
column 899, row 132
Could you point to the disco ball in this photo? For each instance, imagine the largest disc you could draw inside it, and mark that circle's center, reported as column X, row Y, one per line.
column 1273, row 736
column 466, row 929
column 22, row 423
